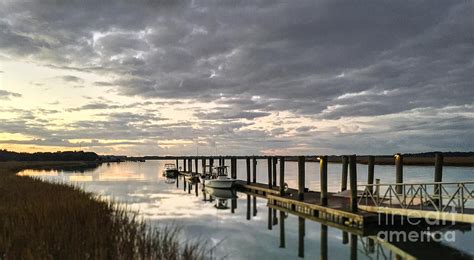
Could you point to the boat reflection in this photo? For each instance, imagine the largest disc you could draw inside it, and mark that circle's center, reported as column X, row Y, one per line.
column 221, row 197
column 221, row 193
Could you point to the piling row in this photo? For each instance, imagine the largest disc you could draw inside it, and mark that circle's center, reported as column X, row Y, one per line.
column 281, row 196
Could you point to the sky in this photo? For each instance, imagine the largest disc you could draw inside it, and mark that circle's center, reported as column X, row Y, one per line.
column 237, row 77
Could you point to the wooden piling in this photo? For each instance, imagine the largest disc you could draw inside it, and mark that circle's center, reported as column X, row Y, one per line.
column 231, row 168
column 196, row 163
column 177, row 164
column 377, row 187
column 323, row 172
column 282, row 176
column 370, row 172
column 399, row 172
column 184, row 165
column 345, row 164
column 270, row 186
column 233, row 162
column 254, row 166
column 438, row 177
column 235, row 168
column 247, row 161
column 211, row 163
column 203, row 165
column 353, row 182
column 301, row 179
column 274, row 172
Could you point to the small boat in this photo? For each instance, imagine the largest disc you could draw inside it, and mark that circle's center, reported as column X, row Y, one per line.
column 219, row 180
column 170, row 171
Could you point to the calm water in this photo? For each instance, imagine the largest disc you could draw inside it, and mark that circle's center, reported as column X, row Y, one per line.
column 242, row 229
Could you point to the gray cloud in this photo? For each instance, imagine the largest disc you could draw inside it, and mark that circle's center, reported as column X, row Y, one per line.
column 299, row 58
column 71, row 78
column 327, row 60
column 7, row 94
column 228, row 113
column 103, row 84
column 95, row 106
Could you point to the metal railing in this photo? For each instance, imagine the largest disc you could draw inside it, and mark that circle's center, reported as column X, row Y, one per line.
column 435, row 196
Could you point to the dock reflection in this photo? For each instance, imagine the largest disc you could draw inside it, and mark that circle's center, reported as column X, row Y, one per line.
column 356, row 241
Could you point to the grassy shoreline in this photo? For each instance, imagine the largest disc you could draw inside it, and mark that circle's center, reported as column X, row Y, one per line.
column 40, row 220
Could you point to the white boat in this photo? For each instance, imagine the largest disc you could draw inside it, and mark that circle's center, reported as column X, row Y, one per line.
column 170, row 171
column 220, row 179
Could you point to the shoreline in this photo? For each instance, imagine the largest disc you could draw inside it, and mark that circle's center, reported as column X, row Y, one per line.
column 44, row 220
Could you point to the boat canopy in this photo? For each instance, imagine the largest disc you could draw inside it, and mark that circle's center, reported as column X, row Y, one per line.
column 221, row 170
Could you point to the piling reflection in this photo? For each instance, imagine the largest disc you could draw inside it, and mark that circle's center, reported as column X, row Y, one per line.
column 221, row 197
column 324, row 242
column 254, row 206
column 248, row 207
column 301, row 233
column 234, row 204
column 369, row 245
column 353, row 245
column 282, row 229
column 270, row 213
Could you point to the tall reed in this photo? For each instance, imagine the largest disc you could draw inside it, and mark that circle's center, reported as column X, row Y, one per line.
column 40, row 220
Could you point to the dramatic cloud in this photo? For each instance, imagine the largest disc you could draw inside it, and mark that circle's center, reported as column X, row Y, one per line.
column 7, row 94
column 70, row 78
column 287, row 73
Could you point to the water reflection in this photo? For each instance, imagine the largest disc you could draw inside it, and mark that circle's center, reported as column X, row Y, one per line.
column 240, row 224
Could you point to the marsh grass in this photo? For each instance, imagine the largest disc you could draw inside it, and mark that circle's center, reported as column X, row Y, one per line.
column 40, row 220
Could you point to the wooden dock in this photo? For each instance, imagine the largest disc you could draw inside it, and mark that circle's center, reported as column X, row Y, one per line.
column 338, row 210
column 346, row 208
column 361, row 226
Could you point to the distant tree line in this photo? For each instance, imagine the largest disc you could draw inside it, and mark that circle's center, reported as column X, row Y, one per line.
column 445, row 154
column 56, row 156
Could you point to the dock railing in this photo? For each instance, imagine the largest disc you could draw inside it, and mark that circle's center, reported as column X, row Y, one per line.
column 434, row 196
